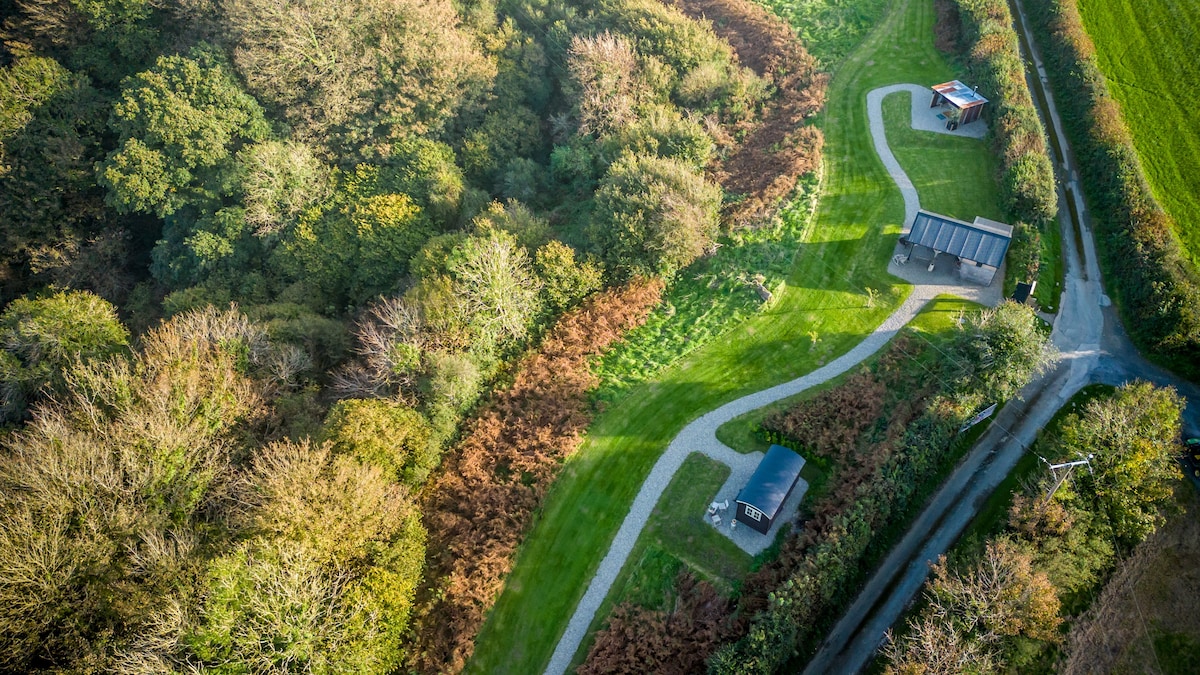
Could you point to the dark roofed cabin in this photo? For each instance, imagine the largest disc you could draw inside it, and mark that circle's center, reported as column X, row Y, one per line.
column 960, row 97
column 760, row 501
column 983, row 242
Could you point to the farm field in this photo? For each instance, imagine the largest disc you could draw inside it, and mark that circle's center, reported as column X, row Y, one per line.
column 1149, row 51
column 825, row 298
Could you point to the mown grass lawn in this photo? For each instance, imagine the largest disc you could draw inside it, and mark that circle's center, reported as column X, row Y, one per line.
column 845, row 252
column 954, row 175
column 1149, row 51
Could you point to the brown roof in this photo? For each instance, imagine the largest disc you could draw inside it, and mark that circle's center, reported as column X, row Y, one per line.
column 960, row 95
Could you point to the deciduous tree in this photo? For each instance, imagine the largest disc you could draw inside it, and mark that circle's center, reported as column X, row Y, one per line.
column 1000, row 349
column 1133, row 436
column 179, row 124
column 383, row 433
column 357, row 75
column 654, row 216
column 40, row 339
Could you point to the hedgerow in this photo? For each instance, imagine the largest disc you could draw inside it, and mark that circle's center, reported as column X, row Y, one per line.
column 1002, row 601
column 992, row 54
column 1157, row 290
column 886, row 432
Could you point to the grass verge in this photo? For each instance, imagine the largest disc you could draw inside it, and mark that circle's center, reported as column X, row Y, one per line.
column 677, row 537
column 954, row 175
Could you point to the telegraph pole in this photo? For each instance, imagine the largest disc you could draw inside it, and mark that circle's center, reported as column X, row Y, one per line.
column 1069, row 467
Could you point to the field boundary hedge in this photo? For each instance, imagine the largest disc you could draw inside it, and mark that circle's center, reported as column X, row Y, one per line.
column 989, row 45
column 1156, row 288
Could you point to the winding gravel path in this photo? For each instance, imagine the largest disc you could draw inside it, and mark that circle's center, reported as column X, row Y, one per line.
column 700, row 435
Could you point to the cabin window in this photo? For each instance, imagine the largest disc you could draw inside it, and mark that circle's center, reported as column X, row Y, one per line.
column 753, row 513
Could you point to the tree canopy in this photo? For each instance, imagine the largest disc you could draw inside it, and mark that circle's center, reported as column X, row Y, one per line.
column 42, row 338
column 1133, row 437
column 179, row 123
column 655, row 215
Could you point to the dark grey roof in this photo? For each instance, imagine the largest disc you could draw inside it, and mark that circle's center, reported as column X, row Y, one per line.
column 984, row 241
column 772, row 480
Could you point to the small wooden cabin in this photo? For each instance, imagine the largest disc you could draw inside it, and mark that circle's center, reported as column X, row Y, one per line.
column 959, row 96
column 758, row 503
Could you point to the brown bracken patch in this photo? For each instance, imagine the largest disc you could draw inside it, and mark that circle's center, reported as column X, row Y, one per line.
column 763, row 169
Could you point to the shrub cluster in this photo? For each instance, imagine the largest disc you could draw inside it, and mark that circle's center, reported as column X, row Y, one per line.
column 482, row 500
column 639, row 640
column 768, row 45
column 999, row 603
column 1157, row 290
column 993, row 56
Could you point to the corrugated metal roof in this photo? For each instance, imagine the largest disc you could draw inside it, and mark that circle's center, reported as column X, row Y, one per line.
column 772, row 480
column 984, row 241
column 959, row 94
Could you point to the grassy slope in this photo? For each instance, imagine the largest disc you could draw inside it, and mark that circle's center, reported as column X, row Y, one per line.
column 1149, row 51
column 677, row 536
column 844, row 253
column 830, row 29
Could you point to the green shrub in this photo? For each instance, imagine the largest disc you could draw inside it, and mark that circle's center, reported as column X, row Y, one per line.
column 383, row 433
column 40, row 339
column 992, row 53
column 654, row 216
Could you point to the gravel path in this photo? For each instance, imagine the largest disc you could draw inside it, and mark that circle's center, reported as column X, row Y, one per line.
column 700, row 435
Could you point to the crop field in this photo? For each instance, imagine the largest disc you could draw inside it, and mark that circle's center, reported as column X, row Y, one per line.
column 1149, row 51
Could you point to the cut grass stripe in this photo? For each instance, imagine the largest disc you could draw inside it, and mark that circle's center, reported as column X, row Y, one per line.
column 1149, row 51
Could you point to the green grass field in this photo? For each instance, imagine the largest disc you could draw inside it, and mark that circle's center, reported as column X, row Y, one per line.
column 843, row 253
column 830, row 29
column 954, row 175
column 1149, row 51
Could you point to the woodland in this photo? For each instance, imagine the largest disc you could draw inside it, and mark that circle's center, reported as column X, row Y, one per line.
column 260, row 262
column 304, row 307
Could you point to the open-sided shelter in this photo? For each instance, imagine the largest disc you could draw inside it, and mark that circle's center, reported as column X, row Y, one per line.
column 760, row 501
column 983, row 242
column 960, row 97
